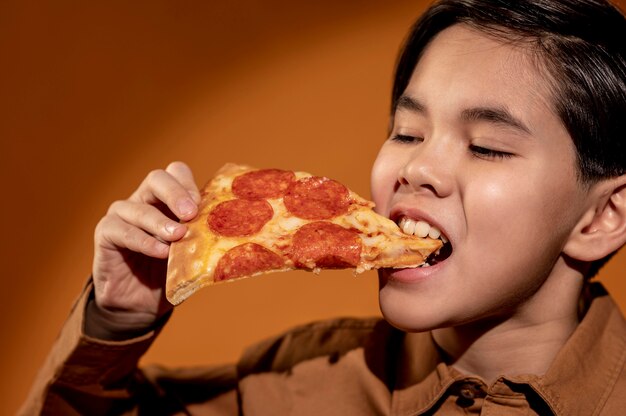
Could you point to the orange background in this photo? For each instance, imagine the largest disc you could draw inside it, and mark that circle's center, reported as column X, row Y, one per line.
column 96, row 94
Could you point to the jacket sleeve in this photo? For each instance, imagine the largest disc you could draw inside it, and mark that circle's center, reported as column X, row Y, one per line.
column 85, row 375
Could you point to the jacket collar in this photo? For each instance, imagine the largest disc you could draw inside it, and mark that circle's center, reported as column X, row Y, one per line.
column 578, row 381
column 587, row 368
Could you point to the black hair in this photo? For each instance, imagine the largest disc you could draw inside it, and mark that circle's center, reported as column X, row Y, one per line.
column 581, row 44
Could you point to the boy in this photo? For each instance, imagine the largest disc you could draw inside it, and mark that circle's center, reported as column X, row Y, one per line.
column 507, row 135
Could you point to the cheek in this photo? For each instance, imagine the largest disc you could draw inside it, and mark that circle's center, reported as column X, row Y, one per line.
column 383, row 180
column 499, row 216
column 502, row 198
column 491, row 206
column 521, row 209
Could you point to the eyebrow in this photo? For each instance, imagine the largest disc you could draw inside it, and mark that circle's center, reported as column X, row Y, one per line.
column 408, row 103
column 494, row 115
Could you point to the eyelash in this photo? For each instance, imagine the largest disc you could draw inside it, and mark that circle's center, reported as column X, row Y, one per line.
column 484, row 153
column 477, row 151
column 403, row 138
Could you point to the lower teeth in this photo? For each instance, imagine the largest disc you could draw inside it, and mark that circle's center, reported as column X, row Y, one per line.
column 443, row 253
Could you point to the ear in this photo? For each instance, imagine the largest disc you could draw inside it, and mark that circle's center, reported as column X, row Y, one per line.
column 602, row 229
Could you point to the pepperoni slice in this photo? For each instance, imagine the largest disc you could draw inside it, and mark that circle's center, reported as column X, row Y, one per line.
column 240, row 217
column 261, row 184
column 327, row 245
column 246, row 259
column 317, row 198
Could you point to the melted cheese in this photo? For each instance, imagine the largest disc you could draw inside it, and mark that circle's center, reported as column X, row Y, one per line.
column 197, row 255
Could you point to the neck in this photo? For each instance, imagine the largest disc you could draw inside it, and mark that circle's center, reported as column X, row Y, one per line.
column 525, row 341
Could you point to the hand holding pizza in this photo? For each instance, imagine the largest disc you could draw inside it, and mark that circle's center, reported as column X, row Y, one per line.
column 132, row 244
column 247, row 222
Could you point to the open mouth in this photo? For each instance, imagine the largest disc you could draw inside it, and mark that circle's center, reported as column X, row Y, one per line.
column 421, row 228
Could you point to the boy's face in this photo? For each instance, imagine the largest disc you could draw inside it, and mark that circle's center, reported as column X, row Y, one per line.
column 477, row 151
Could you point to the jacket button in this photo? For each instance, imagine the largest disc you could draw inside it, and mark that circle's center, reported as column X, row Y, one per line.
column 467, row 393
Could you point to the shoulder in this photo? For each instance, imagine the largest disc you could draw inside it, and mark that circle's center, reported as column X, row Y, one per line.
column 331, row 338
column 599, row 343
column 615, row 388
column 341, row 363
column 613, row 345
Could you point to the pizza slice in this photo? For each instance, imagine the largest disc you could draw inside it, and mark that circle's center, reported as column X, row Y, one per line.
column 255, row 221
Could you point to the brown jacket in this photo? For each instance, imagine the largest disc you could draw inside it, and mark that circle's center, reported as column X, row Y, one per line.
column 337, row 367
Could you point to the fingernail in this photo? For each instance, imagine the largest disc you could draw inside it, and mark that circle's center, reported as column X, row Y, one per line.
column 186, row 206
column 171, row 227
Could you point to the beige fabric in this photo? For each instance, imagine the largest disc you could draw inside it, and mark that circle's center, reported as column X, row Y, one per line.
column 337, row 367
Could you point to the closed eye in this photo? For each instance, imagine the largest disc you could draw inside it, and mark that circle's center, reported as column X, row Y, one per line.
column 403, row 138
column 485, row 153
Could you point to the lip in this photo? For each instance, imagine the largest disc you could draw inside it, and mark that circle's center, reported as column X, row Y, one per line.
column 415, row 274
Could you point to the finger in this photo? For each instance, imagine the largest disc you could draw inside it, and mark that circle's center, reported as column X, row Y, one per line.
column 182, row 173
column 114, row 232
column 160, row 186
column 148, row 218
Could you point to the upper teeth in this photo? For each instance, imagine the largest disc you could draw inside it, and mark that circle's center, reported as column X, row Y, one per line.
column 420, row 229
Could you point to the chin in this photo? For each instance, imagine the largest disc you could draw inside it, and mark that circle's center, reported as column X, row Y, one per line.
column 404, row 312
column 412, row 306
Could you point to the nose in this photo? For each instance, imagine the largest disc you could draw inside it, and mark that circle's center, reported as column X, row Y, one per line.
column 429, row 168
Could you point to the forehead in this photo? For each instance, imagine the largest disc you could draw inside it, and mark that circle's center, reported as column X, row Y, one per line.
column 468, row 68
